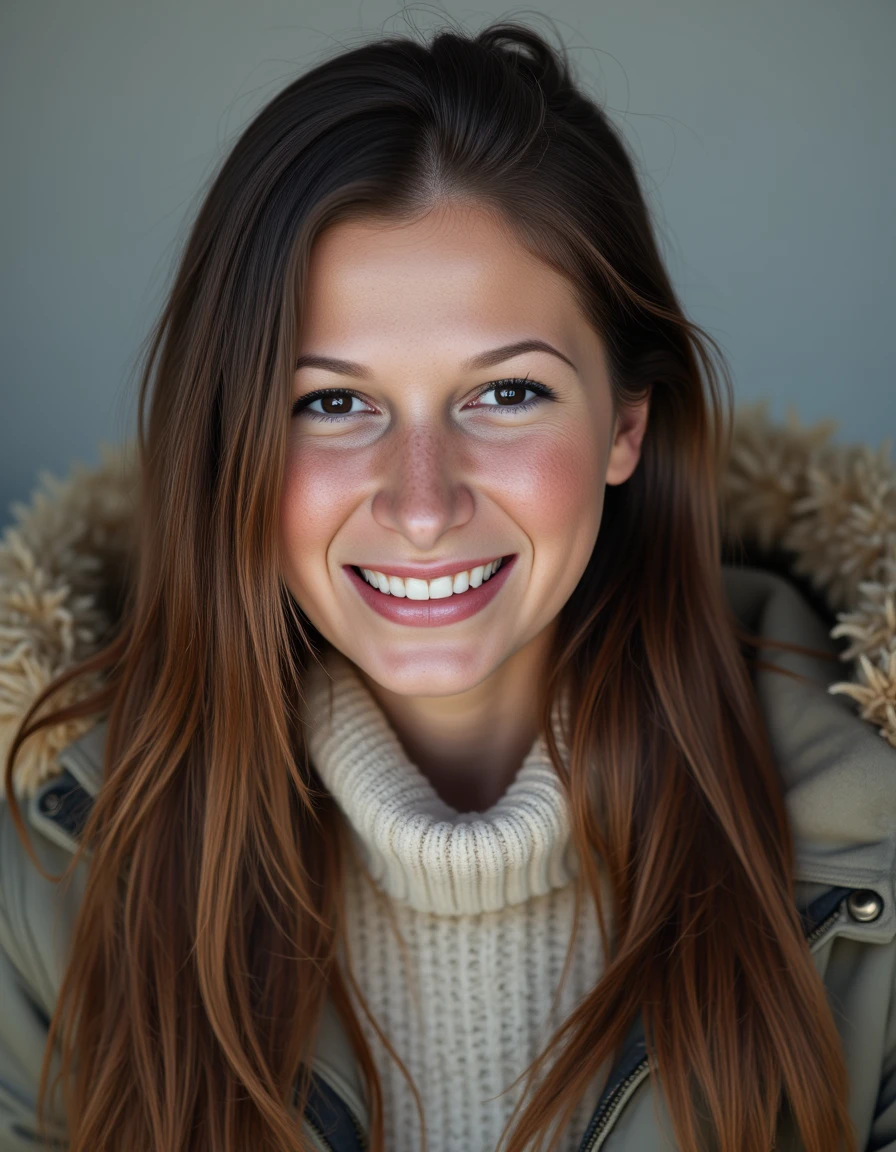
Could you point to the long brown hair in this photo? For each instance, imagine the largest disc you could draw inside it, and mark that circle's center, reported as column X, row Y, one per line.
column 209, row 929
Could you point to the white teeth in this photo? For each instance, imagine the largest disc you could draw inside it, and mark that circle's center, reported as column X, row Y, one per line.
column 417, row 589
column 461, row 582
column 439, row 589
column 396, row 586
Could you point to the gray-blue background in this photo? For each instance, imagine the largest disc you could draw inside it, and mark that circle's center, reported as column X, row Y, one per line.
column 764, row 131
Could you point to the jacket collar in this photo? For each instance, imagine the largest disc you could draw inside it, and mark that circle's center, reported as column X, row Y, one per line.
column 839, row 776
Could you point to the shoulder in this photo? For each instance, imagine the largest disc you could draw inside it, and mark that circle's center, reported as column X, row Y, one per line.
column 838, row 770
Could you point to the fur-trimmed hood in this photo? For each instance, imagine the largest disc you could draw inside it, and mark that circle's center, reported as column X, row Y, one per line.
column 820, row 513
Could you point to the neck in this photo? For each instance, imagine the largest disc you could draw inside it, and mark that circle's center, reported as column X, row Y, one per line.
column 470, row 745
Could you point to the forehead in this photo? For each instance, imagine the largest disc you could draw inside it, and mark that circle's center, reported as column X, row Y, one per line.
column 456, row 273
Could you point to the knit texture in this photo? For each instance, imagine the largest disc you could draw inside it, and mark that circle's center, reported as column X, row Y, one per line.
column 484, row 902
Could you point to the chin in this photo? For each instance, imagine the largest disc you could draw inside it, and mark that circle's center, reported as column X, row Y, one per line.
column 427, row 672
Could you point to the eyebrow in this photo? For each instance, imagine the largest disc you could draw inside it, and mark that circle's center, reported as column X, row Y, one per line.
column 482, row 360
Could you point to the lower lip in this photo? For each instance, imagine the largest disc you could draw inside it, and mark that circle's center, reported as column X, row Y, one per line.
column 424, row 613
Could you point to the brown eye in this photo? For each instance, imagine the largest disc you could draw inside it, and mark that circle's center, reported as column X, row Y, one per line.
column 337, row 403
column 510, row 394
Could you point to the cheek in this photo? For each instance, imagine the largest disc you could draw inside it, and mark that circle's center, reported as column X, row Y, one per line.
column 556, row 486
column 316, row 496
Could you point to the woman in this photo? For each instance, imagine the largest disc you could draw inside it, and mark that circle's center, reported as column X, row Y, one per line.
column 431, row 753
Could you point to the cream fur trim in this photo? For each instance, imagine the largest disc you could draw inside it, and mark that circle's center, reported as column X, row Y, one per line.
column 786, row 487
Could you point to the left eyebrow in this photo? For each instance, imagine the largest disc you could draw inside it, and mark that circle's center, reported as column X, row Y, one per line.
column 482, row 360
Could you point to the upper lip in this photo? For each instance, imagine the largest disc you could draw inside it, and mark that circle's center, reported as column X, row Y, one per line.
column 429, row 571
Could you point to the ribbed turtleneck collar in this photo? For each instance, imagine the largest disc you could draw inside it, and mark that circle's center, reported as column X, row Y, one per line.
column 419, row 849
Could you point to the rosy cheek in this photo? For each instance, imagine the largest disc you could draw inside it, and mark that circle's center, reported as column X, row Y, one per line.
column 311, row 495
column 553, row 485
column 321, row 489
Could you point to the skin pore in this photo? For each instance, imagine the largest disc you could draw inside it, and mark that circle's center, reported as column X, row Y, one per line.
column 426, row 464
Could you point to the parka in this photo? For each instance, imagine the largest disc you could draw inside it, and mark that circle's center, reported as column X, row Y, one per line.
column 791, row 577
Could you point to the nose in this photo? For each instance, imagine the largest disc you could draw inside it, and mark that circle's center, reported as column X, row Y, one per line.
column 425, row 490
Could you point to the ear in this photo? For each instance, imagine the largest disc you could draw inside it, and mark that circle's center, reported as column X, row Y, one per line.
column 629, row 427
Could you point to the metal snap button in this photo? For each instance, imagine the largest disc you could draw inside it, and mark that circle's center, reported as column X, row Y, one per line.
column 864, row 905
column 51, row 802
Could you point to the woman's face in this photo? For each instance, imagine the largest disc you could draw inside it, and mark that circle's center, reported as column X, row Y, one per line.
column 425, row 462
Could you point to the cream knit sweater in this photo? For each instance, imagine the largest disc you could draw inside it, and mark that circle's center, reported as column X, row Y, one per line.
column 484, row 902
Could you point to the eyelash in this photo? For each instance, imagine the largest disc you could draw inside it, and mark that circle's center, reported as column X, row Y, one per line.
column 542, row 391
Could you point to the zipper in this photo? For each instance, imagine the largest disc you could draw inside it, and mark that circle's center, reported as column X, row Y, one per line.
column 635, row 1074
column 820, row 929
column 356, row 1124
column 318, row 1135
column 605, row 1114
column 339, row 1105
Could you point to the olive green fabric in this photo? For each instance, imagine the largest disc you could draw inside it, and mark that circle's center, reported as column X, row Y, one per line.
column 840, row 784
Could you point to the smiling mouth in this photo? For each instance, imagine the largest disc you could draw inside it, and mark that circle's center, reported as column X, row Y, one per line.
column 440, row 588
